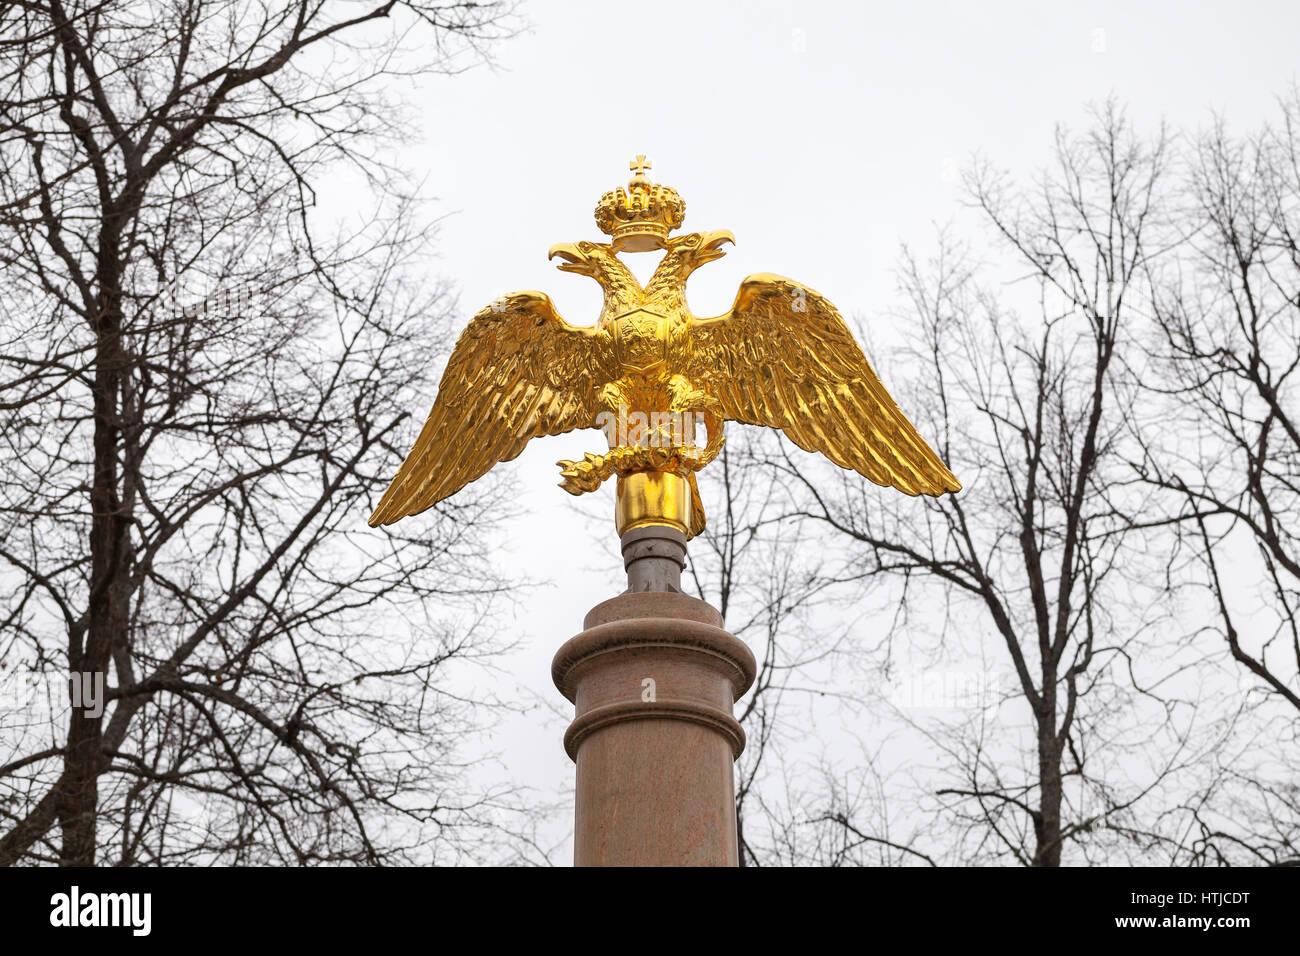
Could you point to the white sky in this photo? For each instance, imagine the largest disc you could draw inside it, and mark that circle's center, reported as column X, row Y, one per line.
column 822, row 134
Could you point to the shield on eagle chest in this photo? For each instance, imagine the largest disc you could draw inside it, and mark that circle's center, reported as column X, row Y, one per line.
column 641, row 339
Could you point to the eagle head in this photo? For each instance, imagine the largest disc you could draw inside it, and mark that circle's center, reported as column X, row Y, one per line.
column 584, row 258
column 687, row 253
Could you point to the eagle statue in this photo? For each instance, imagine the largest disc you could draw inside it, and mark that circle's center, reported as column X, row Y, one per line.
column 649, row 373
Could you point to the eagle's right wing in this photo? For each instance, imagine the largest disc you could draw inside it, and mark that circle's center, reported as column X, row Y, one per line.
column 517, row 372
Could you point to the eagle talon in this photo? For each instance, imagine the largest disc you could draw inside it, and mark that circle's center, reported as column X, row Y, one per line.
column 581, row 477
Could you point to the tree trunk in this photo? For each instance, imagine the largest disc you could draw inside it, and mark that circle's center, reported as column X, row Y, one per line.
column 84, row 759
column 1047, row 827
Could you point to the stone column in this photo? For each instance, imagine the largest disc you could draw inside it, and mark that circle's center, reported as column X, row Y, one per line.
column 654, row 679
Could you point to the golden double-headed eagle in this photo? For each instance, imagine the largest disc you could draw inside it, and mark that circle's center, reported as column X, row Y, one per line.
column 648, row 371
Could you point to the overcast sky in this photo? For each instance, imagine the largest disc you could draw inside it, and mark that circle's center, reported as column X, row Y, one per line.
column 822, row 134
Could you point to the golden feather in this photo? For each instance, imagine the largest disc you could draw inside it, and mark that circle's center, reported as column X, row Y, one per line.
column 518, row 371
column 783, row 357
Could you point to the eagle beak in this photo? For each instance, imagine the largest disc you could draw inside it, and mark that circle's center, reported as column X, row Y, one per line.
column 711, row 245
column 574, row 260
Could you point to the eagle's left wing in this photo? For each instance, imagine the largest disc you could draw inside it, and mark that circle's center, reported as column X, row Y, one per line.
column 783, row 357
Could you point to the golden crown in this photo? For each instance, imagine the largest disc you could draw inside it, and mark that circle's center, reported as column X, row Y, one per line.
column 640, row 215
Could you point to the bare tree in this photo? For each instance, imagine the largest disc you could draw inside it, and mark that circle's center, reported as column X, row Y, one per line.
column 1123, row 416
column 1229, row 388
column 1040, row 552
column 205, row 384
